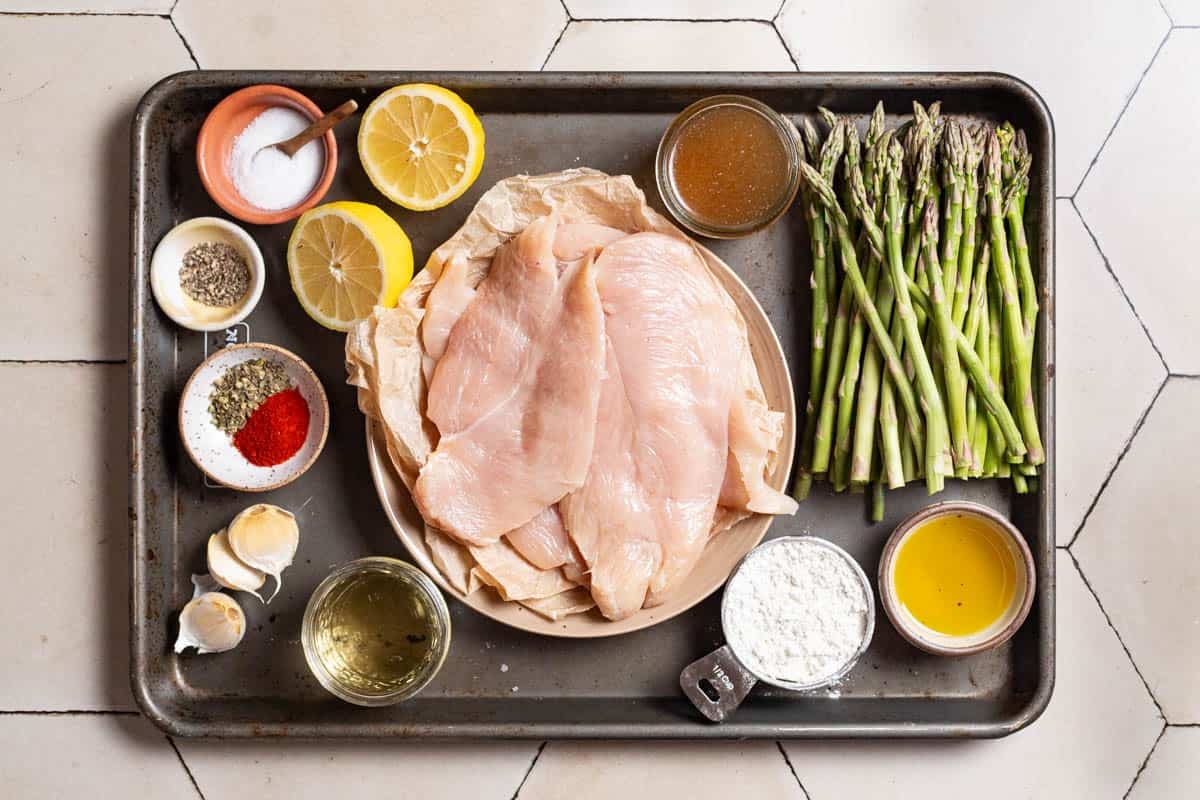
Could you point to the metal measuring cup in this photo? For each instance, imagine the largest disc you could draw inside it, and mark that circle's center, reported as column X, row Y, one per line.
column 719, row 682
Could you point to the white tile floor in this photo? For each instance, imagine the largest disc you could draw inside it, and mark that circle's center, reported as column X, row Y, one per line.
column 1120, row 80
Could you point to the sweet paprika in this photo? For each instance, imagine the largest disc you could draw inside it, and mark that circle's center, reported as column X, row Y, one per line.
column 276, row 430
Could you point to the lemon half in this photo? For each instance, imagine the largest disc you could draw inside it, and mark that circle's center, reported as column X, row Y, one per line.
column 344, row 259
column 421, row 145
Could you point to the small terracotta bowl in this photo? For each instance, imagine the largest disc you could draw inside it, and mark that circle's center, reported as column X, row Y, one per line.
column 998, row 632
column 215, row 143
column 213, row 451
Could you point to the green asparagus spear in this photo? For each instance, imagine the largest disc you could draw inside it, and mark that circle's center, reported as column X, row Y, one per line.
column 977, row 418
column 998, row 362
column 870, row 384
column 822, row 277
column 936, row 454
column 972, row 155
column 876, row 511
column 954, row 180
column 986, row 389
column 1014, row 204
column 862, row 297
column 956, row 383
column 995, row 450
column 1018, row 353
column 835, row 363
column 852, row 366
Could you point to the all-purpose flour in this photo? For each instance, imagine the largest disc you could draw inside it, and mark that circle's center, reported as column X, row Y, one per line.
column 795, row 611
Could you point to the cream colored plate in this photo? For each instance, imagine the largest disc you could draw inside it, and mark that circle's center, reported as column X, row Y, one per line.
column 723, row 552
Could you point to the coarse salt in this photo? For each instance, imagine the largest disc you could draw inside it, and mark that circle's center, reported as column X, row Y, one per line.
column 796, row 611
column 267, row 178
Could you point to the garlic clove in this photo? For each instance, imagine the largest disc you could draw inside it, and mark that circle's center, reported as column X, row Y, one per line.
column 211, row 623
column 230, row 571
column 265, row 537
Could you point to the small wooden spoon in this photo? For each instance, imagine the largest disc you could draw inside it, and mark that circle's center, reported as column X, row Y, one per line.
column 290, row 147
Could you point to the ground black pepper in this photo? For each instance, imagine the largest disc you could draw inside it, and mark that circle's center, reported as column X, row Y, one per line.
column 215, row 274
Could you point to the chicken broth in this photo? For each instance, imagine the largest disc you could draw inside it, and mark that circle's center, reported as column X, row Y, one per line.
column 729, row 166
column 376, row 633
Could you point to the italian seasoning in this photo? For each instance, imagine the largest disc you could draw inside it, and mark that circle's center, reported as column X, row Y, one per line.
column 242, row 389
column 215, row 274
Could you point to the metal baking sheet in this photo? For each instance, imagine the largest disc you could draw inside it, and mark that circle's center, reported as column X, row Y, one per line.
column 499, row 682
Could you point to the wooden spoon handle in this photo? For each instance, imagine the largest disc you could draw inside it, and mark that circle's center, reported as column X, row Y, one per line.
column 292, row 146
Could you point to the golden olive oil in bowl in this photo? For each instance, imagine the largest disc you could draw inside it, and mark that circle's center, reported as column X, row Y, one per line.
column 956, row 578
column 376, row 631
column 955, row 574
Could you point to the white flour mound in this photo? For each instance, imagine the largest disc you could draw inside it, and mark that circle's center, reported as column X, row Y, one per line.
column 796, row 611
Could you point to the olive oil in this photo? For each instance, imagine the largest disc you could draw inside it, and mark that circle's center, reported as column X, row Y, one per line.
column 955, row 574
column 376, row 633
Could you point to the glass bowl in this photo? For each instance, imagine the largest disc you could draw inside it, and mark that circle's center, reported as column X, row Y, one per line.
column 788, row 138
column 326, row 594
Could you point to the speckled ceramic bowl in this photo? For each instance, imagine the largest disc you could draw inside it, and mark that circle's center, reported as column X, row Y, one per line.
column 212, row 450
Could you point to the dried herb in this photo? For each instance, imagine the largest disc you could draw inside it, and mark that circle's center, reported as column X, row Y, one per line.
column 215, row 274
column 242, row 389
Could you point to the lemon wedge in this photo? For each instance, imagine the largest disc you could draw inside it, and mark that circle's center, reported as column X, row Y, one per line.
column 345, row 258
column 421, row 145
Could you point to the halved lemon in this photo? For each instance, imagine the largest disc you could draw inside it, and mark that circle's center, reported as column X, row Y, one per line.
column 421, row 145
column 346, row 258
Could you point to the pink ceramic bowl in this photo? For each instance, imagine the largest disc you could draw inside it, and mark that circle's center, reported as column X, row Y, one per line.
column 215, row 143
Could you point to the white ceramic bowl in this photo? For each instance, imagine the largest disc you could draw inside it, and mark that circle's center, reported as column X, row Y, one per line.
column 168, row 259
column 212, row 450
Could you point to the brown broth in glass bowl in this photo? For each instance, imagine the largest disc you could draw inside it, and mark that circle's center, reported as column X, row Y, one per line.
column 728, row 166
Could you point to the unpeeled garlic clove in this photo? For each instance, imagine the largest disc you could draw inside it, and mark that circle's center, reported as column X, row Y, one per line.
column 265, row 537
column 211, row 622
column 230, row 571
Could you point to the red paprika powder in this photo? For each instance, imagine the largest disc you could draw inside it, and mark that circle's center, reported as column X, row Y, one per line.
column 275, row 431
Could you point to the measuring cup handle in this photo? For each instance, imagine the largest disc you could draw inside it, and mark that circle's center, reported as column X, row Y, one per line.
column 716, row 684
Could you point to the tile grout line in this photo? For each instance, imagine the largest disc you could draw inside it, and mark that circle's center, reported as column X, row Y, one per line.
column 1161, row 5
column 186, row 768
column 1137, row 427
column 1145, row 762
column 1124, row 108
column 700, row 20
column 792, row 769
column 784, row 43
column 532, row 764
column 82, row 14
column 191, row 53
column 1117, row 633
column 1113, row 274
column 554, row 46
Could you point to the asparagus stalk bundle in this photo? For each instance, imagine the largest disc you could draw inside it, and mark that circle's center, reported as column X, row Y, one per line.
column 924, row 303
